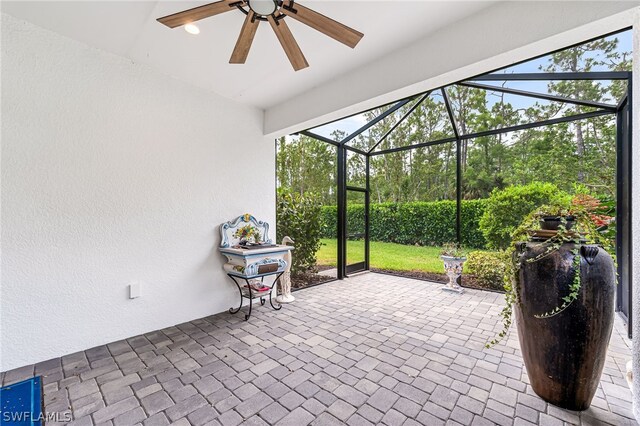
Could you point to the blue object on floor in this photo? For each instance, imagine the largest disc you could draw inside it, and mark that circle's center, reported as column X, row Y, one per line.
column 21, row 403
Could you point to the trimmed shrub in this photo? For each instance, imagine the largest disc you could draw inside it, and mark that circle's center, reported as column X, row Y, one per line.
column 470, row 213
column 299, row 217
column 488, row 268
column 329, row 222
column 421, row 223
column 426, row 224
column 506, row 208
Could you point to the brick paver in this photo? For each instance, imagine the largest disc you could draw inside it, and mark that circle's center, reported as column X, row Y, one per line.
column 372, row 349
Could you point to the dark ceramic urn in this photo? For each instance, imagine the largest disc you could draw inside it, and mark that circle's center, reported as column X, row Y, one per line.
column 564, row 354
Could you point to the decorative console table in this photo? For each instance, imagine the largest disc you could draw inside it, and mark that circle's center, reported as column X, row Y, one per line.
column 251, row 256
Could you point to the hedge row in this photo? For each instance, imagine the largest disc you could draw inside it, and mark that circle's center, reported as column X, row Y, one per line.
column 422, row 223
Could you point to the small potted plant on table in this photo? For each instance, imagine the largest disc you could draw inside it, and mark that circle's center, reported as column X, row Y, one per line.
column 453, row 257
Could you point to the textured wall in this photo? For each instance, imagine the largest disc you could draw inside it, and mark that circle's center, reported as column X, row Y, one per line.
column 635, row 216
column 113, row 173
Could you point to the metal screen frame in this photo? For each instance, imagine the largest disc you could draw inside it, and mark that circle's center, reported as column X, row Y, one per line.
column 622, row 111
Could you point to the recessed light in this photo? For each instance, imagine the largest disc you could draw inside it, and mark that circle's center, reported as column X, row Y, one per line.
column 192, row 29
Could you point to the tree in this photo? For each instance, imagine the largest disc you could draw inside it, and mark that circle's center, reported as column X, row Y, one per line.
column 562, row 154
column 584, row 58
column 304, row 164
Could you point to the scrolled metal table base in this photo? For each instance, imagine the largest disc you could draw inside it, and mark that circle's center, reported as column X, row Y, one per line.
column 251, row 296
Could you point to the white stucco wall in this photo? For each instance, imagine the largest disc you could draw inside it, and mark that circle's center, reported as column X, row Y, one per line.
column 114, row 173
column 635, row 215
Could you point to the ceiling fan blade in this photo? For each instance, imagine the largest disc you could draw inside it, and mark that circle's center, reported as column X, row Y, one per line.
column 289, row 44
column 245, row 39
column 325, row 25
column 196, row 14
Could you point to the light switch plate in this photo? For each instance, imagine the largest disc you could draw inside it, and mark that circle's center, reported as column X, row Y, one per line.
column 134, row 290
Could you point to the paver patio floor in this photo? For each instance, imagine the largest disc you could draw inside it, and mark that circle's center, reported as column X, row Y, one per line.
column 372, row 349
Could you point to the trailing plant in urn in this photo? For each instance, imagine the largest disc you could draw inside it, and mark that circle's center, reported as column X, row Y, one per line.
column 560, row 285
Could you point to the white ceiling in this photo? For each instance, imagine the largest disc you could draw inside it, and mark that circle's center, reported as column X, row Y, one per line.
column 129, row 29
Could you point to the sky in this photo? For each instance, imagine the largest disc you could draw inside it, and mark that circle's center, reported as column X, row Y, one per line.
column 351, row 124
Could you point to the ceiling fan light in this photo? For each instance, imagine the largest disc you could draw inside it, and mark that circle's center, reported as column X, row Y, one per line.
column 192, row 29
column 263, row 7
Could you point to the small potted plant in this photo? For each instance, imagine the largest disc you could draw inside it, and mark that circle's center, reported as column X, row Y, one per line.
column 453, row 257
column 554, row 217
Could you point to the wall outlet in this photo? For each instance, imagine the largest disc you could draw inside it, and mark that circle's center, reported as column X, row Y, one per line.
column 134, row 290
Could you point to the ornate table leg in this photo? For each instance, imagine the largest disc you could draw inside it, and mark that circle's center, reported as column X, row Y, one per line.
column 246, row 317
column 231, row 310
column 275, row 283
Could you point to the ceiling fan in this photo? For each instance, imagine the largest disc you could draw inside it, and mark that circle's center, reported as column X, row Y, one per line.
column 273, row 11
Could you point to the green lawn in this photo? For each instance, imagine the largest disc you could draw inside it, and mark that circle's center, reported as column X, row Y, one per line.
column 389, row 256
